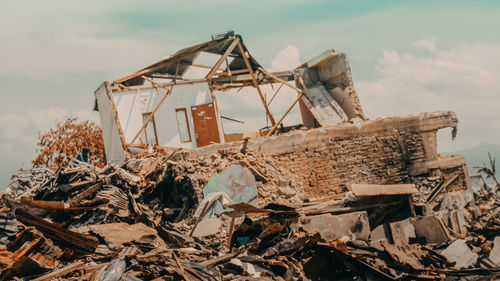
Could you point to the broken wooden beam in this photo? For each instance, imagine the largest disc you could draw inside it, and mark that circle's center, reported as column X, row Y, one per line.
column 60, row 272
column 68, row 238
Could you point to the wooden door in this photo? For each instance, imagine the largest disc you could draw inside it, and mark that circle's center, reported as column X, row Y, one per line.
column 205, row 124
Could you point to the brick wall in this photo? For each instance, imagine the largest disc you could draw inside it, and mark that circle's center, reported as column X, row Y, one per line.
column 381, row 151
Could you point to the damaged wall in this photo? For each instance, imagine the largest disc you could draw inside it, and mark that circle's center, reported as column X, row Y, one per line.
column 382, row 151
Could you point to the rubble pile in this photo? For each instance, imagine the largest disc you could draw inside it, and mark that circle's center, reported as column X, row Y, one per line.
column 235, row 216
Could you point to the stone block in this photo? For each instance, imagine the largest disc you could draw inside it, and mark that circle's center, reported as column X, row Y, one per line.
column 353, row 225
column 432, row 228
column 461, row 254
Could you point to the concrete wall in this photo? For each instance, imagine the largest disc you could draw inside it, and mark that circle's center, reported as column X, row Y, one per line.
column 382, row 151
column 130, row 106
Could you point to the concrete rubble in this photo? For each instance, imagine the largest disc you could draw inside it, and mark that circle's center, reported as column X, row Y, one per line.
column 339, row 198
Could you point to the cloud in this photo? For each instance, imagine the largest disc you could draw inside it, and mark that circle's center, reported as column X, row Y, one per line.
column 19, row 131
column 461, row 79
column 428, row 44
column 48, row 41
column 286, row 59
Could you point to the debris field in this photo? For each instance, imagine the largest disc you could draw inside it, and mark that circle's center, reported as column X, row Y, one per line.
column 338, row 197
column 152, row 219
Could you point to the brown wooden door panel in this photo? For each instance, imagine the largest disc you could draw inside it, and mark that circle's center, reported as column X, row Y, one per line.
column 205, row 124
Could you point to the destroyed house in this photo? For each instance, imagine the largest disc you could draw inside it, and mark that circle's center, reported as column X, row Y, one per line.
column 337, row 196
column 172, row 103
column 335, row 146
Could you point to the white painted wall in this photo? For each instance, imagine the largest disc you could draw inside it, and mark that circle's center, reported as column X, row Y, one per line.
column 131, row 105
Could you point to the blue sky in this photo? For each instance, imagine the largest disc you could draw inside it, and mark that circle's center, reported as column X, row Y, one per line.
column 406, row 56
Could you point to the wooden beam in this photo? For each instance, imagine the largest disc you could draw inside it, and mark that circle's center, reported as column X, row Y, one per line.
column 151, row 115
column 306, row 90
column 115, row 115
column 185, row 82
column 231, row 227
column 203, row 66
column 161, row 64
column 155, row 83
column 70, row 239
column 272, row 98
column 223, row 58
column 179, row 264
column 284, row 115
column 255, row 84
column 60, row 272
column 230, row 73
column 280, row 80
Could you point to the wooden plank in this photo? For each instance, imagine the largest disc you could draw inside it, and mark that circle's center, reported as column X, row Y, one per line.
column 115, row 114
column 223, row 58
column 284, row 115
column 179, row 264
column 60, row 272
column 176, row 58
column 155, row 83
column 255, row 83
column 382, row 189
column 212, row 262
column 70, row 239
column 231, row 73
column 438, row 189
column 308, row 94
column 136, row 88
column 280, row 80
column 231, row 227
column 272, row 98
column 87, row 192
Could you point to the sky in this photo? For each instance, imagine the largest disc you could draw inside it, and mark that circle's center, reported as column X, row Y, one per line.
column 406, row 57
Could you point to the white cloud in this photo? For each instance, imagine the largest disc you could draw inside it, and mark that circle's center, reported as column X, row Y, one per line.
column 19, row 132
column 461, row 79
column 286, row 59
column 428, row 44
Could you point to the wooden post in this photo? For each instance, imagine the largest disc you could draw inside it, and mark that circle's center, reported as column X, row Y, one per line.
column 170, row 60
column 154, row 83
column 284, row 115
column 151, row 115
column 115, row 114
column 272, row 98
column 60, row 272
column 223, row 58
column 280, row 80
column 308, row 94
column 255, row 84
column 231, row 229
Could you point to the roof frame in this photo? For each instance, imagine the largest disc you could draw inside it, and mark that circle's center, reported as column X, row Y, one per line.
column 247, row 72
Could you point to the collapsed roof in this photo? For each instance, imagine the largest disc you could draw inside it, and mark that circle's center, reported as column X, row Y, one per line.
column 324, row 83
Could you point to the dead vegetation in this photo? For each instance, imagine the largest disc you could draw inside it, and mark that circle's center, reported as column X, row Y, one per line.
column 58, row 146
